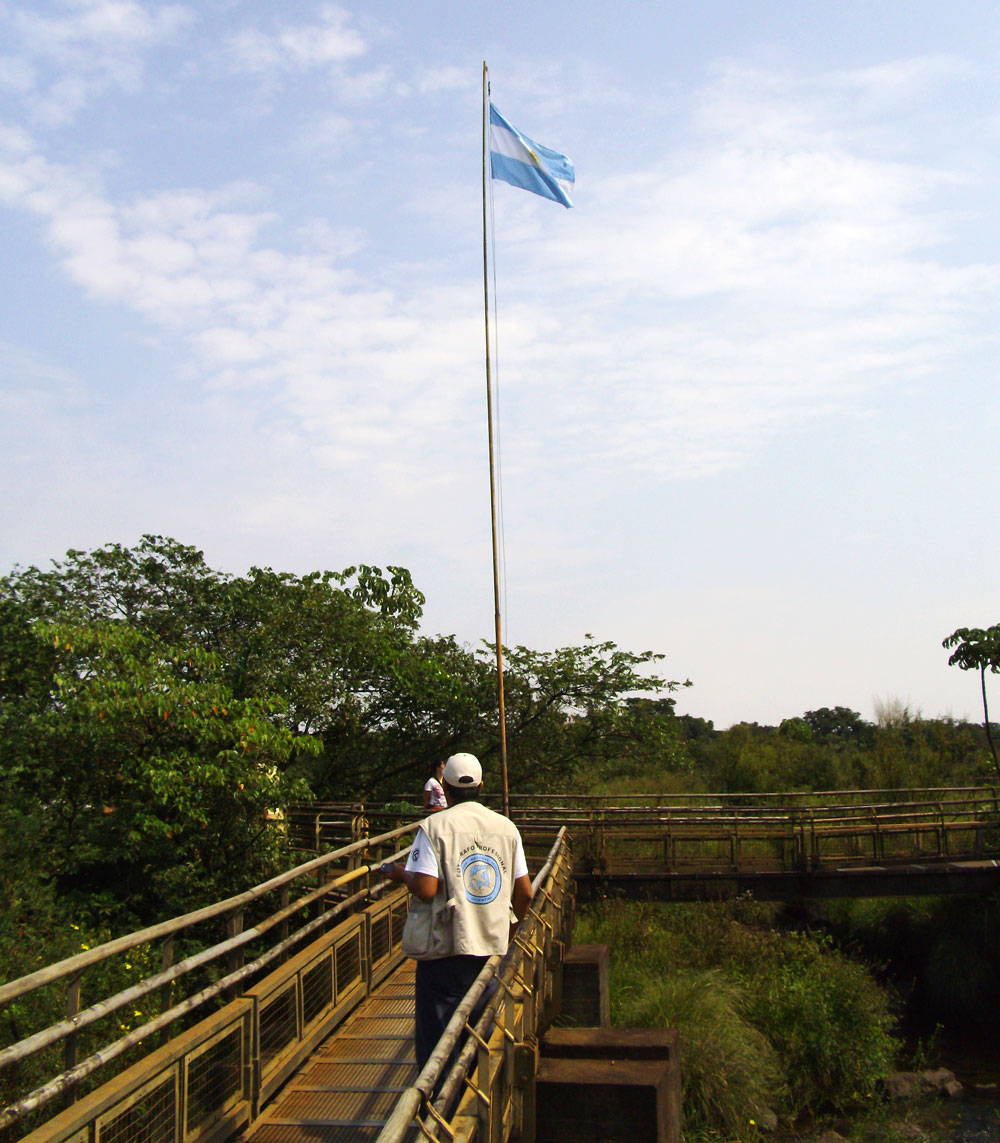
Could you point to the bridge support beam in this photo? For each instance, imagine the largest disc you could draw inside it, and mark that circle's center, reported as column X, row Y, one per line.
column 586, row 988
column 981, row 877
column 608, row 1084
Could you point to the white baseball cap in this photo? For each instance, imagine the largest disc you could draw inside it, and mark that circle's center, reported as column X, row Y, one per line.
column 463, row 770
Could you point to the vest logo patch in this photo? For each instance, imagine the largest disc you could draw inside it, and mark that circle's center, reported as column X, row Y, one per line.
column 481, row 878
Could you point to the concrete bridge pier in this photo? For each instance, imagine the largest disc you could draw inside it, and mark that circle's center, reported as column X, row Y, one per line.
column 598, row 1084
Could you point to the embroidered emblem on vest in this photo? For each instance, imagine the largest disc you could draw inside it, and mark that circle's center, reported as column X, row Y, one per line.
column 481, row 878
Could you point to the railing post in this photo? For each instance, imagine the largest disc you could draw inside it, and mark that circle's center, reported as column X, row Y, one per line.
column 72, row 1040
column 166, row 990
column 525, row 1070
column 234, row 961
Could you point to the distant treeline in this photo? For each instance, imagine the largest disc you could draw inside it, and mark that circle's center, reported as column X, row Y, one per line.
column 831, row 748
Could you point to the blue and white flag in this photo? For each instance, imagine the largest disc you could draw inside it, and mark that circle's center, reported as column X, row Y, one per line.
column 515, row 159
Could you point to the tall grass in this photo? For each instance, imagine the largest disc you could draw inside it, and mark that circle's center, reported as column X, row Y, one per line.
column 769, row 1021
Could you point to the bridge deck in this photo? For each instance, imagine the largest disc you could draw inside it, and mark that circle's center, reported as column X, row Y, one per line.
column 348, row 1087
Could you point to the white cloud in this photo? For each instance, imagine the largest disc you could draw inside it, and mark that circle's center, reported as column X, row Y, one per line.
column 330, row 40
column 331, row 132
column 16, row 74
column 762, row 277
column 75, row 50
column 437, row 79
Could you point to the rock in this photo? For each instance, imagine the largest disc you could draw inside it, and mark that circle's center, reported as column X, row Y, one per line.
column 913, row 1131
column 934, row 1078
column 901, row 1085
column 932, row 1081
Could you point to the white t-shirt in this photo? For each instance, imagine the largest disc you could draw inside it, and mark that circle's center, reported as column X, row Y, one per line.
column 423, row 859
column 437, row 797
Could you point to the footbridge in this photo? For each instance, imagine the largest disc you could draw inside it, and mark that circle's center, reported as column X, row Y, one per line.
column 285, row 1013
column 782, row 846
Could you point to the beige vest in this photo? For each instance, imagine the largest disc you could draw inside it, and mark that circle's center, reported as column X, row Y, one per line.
column 470, row 913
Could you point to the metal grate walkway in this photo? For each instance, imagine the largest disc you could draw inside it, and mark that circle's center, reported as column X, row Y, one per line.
column 348, row 1087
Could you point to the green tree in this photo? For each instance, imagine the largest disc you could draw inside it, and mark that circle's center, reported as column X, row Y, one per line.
column 336, row 647
column 837, row 725
column 565, row 708
column 978, row 648
column 577, row 705
column 150, row 783
column 337, row 658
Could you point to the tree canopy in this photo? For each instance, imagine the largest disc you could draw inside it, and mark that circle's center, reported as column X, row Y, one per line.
column 978, row 648
column 153, row 709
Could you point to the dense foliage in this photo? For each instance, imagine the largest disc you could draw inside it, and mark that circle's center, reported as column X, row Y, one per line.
column 825, row 749
column 153, row 710
column 771, row 1023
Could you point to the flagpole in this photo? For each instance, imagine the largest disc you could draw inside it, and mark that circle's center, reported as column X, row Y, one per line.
column 493, row 493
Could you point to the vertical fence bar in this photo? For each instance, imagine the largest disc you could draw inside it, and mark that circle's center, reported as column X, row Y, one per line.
column 72, row 1040
column 283, row 899
column 166, row 990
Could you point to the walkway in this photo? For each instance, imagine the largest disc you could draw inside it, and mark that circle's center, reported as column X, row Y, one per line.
column 347, row 1089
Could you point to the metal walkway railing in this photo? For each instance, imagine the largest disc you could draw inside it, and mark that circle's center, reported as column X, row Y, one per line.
column 362, row 1083
column 303, row 949
column 212, row 1078
column 236, row 997
column 734, row 833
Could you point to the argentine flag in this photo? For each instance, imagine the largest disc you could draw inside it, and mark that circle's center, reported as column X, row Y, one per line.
column 515, row 159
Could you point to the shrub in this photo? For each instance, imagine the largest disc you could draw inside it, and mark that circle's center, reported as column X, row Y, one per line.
column 827, row 1018
column 767, row 1019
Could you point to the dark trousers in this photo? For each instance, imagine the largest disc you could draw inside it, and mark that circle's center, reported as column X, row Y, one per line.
column 441, row 986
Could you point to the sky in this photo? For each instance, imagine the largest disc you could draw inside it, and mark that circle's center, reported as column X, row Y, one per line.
column 745, row 388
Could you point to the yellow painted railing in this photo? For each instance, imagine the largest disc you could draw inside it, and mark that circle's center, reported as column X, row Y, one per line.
column 302, row 949
column 487, row 1094
column 210, row 1079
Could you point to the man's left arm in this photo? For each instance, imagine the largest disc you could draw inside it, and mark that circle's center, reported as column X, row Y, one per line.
column 520, row 900
column 521, row 897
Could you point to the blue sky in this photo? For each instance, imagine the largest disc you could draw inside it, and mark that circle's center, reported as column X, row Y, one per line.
column 747, row 398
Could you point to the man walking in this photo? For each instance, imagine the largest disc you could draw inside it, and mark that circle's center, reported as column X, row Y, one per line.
column 466, row 871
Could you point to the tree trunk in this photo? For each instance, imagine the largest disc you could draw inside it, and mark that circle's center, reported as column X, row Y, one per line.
column 986, row 718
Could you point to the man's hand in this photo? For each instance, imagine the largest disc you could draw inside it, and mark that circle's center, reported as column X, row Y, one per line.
column 421, row 885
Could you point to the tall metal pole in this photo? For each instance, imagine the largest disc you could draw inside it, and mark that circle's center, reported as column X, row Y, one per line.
column 493, row 492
